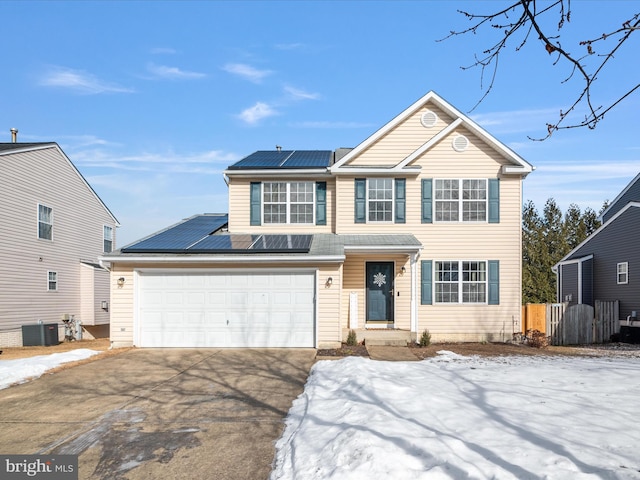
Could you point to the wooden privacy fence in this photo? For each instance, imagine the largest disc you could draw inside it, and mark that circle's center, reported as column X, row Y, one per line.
column 575, row 324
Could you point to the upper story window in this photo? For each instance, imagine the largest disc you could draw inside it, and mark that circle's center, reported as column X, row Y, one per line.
column 108, row 239
column 460, row 200
column 380, row 199
column 45, row 222
column 288, row 202
column 52, row 281
column 623, row 273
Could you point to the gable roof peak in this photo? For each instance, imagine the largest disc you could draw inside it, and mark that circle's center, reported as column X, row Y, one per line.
column 520, row 165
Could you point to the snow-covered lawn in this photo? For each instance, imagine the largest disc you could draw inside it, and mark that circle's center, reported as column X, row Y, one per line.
column 454, row 417
column 23, row 369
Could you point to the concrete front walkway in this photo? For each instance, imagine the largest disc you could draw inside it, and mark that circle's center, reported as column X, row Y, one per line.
column 164, row 414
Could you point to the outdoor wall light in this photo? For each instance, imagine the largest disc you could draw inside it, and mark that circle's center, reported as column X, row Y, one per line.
column 104, row 305
column 121, row 281
column 403, row 270
column 329, row 282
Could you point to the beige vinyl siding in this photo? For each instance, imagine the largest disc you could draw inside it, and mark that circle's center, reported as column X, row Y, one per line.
column 328, row 299
column 452, row 241
column 355, row 281
column 93, row 291
column 402, row 141
column 26, row 180
column 239, row 209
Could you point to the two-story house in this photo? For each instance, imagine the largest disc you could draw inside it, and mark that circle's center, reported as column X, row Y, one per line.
column 418, row 227
column 54, row 228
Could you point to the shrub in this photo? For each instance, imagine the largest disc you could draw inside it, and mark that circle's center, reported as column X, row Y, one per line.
column 352, row 338
column 425, row 338
column 537, row 339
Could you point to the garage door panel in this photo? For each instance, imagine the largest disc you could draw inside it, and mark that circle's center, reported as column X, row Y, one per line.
column 226, row 309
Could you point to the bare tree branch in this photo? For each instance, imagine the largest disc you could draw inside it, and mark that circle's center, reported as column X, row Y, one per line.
column 527, row 20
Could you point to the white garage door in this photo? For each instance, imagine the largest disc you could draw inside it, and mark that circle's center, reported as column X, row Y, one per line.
column 226, row 309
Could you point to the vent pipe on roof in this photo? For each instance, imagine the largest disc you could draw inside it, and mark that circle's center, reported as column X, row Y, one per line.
column 278, row 148
column 14, row 135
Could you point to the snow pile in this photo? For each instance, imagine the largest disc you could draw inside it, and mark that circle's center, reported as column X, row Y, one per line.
column 460, row 417
column 23, row 369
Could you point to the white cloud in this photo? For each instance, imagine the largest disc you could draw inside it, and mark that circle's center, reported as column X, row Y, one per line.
column 289, row 46
column 298, row 94
column 173, row 73
column 208, row 162
column 247, row 72
column 256, row 113
column 79, row 81
column 518, row 121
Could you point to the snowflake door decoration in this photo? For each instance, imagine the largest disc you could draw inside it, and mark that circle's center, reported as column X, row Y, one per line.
column 379, row 279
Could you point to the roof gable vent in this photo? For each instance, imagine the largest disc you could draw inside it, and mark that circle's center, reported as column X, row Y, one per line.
column 428, row 119
column 460, row 143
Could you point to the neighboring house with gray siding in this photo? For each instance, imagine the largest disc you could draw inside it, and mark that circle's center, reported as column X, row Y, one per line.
column 606, row 265
column 54, row 228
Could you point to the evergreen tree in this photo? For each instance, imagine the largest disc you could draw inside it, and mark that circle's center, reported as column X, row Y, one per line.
column 546, row 240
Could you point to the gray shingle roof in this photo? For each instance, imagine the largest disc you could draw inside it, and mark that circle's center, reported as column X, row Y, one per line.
column 5, row 147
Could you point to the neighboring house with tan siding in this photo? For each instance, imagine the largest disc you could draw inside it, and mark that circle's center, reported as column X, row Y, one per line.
column 418, row 227
column 54, row 228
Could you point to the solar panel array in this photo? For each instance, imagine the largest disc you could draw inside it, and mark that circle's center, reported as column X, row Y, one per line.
column 196, row 235
column 180, row 236
column 266, row 159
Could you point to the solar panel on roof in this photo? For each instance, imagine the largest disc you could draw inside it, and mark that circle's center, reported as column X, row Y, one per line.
column 308, row 158
column 223, row 243
column 181, row 236
column 262, row 159
column 284, row 243
column 285, row 159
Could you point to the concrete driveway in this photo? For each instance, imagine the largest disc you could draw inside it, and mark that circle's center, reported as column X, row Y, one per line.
column 160, row 413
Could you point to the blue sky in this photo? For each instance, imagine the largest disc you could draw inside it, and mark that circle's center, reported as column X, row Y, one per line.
column 152, row 100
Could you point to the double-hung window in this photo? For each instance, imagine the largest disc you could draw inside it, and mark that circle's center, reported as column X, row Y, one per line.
column 45, row 222
column 460, row 200
column 107, row 239
column 288, row 202
column 380, row 199
column 461, row 282
column 623, row 273
column 52, row 281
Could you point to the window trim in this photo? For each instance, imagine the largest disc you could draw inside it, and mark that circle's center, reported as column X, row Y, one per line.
column 50, row 281
column 44, row 223
column 104, row 238
column 460, row 200
column 460, row 282
column 392, row 200
column 624, row 273
column 288, row 203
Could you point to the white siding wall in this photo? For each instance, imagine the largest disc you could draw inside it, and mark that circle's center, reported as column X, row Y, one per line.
column 46, row 177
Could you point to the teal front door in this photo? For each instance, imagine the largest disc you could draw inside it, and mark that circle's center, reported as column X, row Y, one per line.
column 380, row 291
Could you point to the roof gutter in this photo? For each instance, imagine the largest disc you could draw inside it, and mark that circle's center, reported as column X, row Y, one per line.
column 283, row 172
column 224, row 259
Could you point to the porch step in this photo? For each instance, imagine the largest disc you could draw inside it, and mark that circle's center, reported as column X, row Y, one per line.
column 383, row 337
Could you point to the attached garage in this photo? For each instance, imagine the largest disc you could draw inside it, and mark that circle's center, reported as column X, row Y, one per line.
column 225, row 309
